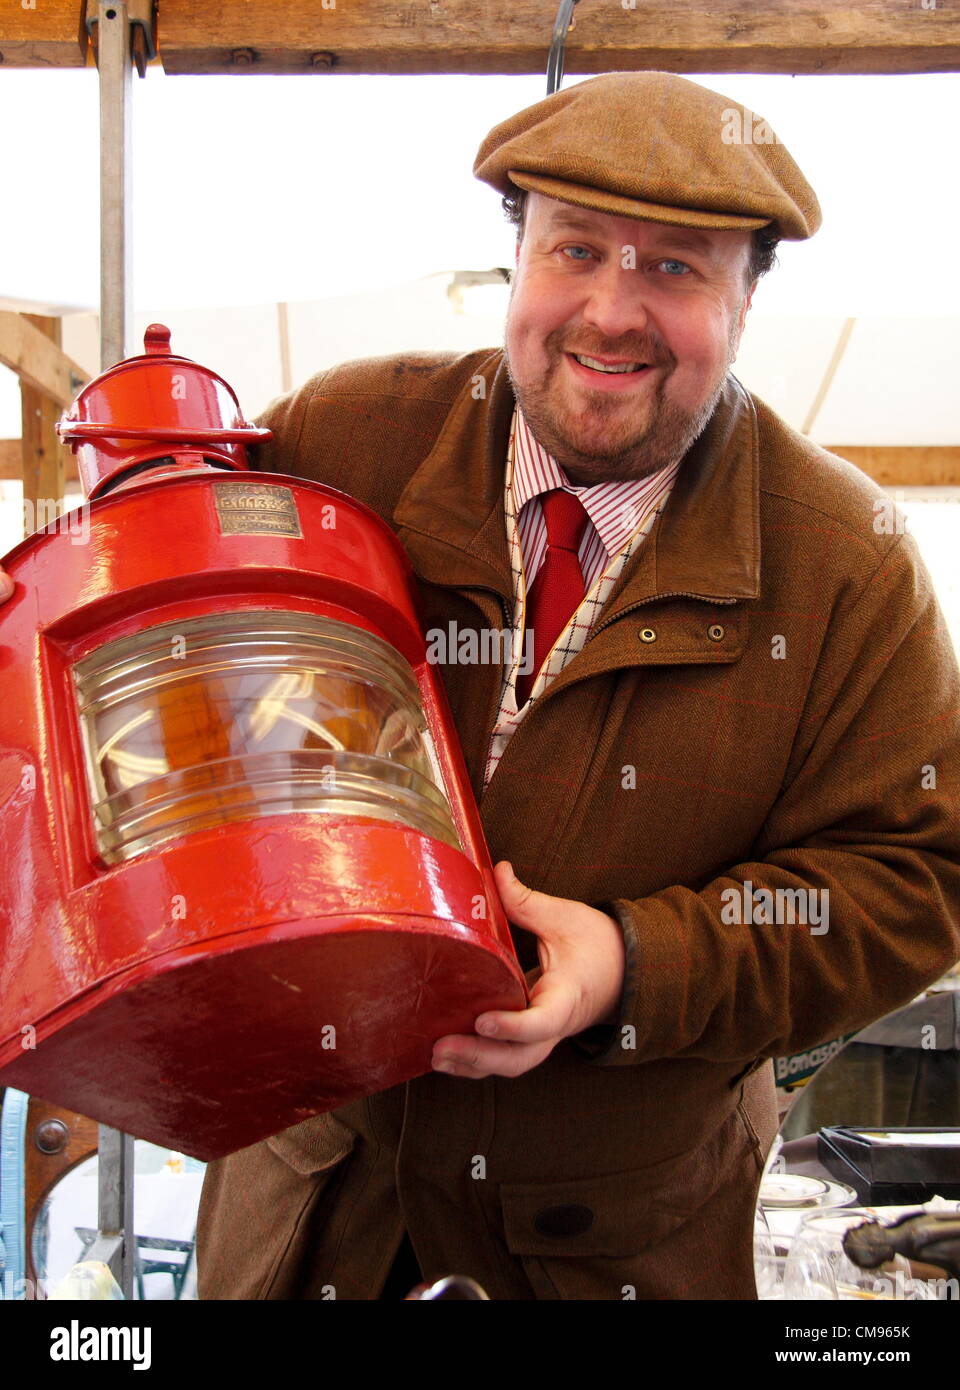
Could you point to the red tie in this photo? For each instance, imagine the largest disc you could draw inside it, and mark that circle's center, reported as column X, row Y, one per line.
column 557, row 590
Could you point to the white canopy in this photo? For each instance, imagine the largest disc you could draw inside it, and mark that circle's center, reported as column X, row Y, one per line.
column 352, row 199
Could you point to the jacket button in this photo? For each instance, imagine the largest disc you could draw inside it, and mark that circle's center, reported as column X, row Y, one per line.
column 715, row 633
column 647, row 634
column 571, row 1220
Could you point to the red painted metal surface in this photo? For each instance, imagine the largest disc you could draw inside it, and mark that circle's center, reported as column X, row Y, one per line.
column 118, row 418
column 221, row 985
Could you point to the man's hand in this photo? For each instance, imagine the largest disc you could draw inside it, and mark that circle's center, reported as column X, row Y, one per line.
column 6, row 586
column 578, row 984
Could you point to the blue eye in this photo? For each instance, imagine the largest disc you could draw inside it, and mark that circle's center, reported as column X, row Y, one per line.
column 681, row 264
column 576, row 248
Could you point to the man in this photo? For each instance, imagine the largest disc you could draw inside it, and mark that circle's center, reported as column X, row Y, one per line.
column 726, row 787
column 726, row 794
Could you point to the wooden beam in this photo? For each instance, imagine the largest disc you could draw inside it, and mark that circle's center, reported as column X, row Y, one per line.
column 836, row 358
column 491, row 36
column 889, row 465
column 11, row 462
column 935, row 465
column 11, row 455
column 51, row 309
column 44, row 456
column 481, row 36
column 283, row 328
column 37, row 359
column 43, row 34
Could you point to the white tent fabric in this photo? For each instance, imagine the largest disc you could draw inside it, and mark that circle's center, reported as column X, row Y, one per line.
column 880, row 393
column 895, row 382
column 351, row 199
column 347, row 198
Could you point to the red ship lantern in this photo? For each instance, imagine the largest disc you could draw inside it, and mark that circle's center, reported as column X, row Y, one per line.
column 245, row 879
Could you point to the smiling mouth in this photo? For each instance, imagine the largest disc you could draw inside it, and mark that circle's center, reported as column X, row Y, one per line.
column 609, row 368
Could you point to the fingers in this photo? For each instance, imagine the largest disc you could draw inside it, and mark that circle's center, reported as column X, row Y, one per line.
column 6, row 586
column 510, row 1043
column 581, row 969
column 475, row 1058
column 526, row 907
column 548, row 1015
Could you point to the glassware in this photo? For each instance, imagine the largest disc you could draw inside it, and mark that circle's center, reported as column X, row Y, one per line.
column 232, row 716
column 784, row 1272
column 761, row 1226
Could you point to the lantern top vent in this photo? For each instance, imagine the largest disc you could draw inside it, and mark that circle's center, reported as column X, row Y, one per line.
column 156, row 407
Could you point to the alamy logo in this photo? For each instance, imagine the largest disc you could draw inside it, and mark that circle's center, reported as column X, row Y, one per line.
column 745, row 128
column 777, row 907
column 49, row 514
column 485, row 646
column 76, row 1343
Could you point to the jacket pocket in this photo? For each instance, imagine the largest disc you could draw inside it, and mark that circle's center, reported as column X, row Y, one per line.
column 637, row 1234
column 313, row 1145
column 620, row 1214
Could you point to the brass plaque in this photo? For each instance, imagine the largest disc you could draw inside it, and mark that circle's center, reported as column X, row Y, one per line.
column 256, row 509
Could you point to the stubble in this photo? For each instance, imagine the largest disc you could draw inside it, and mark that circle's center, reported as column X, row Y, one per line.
column 622, row 446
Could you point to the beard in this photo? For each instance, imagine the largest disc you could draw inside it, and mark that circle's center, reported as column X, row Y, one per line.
column 604, row 440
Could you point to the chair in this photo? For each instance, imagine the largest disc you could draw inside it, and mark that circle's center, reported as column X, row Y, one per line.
column 177, row 1269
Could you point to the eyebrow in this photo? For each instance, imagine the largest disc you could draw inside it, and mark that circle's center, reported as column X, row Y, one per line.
column 687, row 239
column 570, row 219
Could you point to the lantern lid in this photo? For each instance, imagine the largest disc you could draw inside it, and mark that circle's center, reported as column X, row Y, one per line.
column 156, row 404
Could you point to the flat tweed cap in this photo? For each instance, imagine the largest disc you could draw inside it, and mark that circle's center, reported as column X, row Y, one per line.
column 654, row 146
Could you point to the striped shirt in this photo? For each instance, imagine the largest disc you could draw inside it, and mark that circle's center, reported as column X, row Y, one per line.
column 621, row 515
column 615, row 509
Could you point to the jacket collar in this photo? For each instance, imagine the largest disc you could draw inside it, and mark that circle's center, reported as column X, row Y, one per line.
column 706, row 543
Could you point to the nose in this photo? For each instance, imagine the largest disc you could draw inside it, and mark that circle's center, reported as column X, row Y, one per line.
column 615, row 304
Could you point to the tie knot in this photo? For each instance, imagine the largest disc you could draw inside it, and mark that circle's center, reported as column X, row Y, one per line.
column 566, row 519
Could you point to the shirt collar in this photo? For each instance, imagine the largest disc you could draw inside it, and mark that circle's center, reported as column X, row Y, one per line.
column 615, row 508
column 706, row 543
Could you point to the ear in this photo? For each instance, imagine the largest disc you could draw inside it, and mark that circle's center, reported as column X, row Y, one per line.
column 741, row 320
column 745, row 309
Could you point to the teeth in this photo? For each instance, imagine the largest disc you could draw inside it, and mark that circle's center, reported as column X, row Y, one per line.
column 602, row 367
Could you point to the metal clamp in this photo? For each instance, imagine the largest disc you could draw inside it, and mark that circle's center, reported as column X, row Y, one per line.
column 142, row 15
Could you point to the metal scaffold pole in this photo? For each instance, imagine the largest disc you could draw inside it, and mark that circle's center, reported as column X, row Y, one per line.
column 123, row 33
column 116, row 169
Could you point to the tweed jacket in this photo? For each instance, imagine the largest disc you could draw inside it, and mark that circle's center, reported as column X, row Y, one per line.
column 765, row 714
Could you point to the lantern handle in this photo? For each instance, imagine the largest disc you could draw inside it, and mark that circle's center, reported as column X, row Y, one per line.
column 170, row 434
